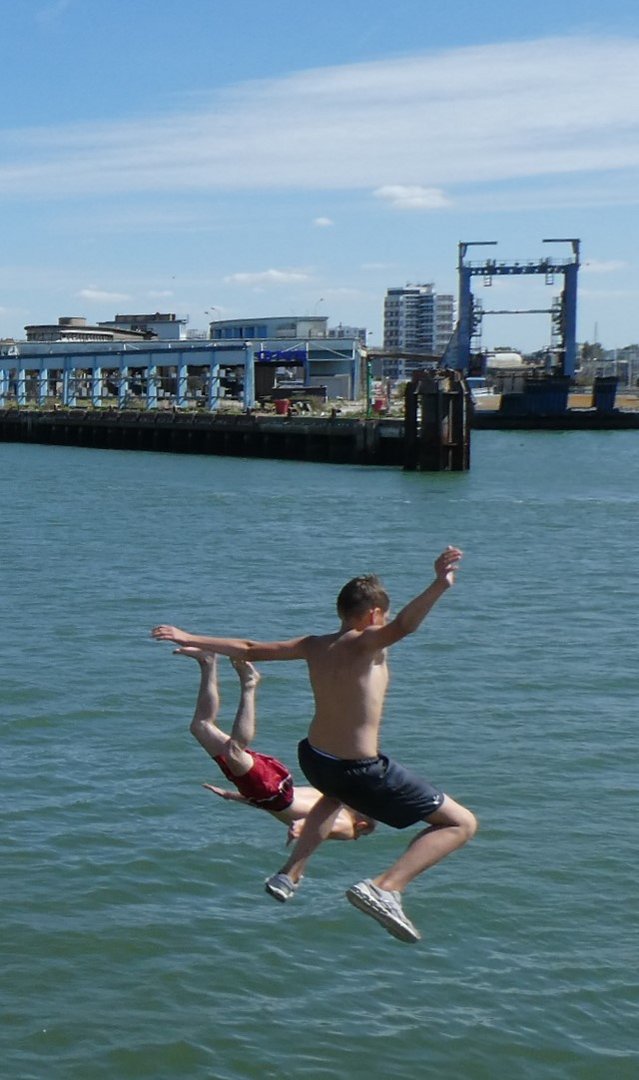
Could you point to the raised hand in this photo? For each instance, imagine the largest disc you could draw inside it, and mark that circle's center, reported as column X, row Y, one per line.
column 446, row 564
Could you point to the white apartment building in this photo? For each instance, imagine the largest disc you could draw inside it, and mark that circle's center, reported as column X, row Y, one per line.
column 417, row 319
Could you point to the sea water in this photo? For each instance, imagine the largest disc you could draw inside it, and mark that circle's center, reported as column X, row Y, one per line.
column 138, row 941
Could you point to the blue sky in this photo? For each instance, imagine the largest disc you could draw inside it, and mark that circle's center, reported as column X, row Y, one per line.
column 224, row 160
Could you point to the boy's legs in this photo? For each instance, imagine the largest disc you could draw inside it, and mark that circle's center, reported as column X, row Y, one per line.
column 317, row 828
column 451, row 826
column 203, row 725
column 243, row 730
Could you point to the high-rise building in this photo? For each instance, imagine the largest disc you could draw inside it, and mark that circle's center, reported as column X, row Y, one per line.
column 416, row 318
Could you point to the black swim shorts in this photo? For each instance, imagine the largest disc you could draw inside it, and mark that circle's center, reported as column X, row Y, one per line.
column 378, row 787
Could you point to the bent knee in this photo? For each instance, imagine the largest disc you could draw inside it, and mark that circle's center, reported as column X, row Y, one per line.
column 454, row 814
column 235, row 753
column 462, row 820
column 198, row 728
column 468, row 825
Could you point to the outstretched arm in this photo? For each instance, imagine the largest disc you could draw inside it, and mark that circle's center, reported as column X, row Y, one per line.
column 413, row 614
column 236, row 648
column 224, row 793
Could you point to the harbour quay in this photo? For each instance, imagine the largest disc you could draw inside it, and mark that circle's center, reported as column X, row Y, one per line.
column 432, row 435
column 303, row 438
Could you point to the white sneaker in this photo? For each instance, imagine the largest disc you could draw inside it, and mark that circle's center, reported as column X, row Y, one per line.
column 280, row 887
column 384, row 906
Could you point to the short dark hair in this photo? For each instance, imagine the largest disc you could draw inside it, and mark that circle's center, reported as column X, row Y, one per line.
column 360, row 594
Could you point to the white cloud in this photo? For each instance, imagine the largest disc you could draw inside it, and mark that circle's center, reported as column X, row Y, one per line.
column 323, row 222
column 159, row 294
column 412, row 197
column 100, row 296
column 267, row 277
column 558, row 107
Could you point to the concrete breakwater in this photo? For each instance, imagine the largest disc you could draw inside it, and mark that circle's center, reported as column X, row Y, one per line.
column 328, row 439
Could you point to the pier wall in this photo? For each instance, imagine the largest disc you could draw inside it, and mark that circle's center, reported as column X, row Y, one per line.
column 337, row 440
column 434, row 436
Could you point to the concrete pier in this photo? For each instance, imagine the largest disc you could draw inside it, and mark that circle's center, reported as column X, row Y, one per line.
column 337, row 440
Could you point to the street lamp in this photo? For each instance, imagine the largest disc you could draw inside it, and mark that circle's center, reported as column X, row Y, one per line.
column 209, row 311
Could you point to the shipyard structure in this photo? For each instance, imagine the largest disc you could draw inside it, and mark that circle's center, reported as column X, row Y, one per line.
column 144, row 382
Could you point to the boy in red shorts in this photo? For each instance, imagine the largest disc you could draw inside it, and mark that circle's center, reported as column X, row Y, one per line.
column 260, row 780
column 349, row 676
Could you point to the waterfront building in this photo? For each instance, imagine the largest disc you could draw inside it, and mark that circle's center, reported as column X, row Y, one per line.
column 416, row 317
column 165, row 326
column 123, row 360
column 305, row 348
column 340, row 331
column 76, row 329
column 124, row 370
column 286, row 328
column 418, row 324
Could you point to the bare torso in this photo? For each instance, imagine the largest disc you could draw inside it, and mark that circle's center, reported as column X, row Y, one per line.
column 349, row 685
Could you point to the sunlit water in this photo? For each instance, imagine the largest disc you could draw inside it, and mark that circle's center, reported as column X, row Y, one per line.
column 138, row 941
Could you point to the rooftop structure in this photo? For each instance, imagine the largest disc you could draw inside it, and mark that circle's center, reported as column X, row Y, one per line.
column 281, row 328
column 76, row 328
column 165, row 326
column 312, row 353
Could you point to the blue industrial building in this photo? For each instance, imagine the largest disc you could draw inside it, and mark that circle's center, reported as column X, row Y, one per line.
column 182, row 373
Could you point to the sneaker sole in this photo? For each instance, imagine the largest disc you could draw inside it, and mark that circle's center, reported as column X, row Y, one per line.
column 369, row 907
column 278, row 894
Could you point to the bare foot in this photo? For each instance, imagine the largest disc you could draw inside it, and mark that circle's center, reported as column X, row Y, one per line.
column 249, row 675
column 197, row 654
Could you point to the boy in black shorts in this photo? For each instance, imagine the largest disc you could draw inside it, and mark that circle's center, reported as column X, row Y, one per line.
column 341, row 758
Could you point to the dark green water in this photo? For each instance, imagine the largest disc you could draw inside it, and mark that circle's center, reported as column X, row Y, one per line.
column 137, row 939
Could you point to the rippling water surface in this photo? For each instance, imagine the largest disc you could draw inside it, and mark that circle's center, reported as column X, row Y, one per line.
column 138, row 942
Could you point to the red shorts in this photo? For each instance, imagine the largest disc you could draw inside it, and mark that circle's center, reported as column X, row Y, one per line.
column 268, row 785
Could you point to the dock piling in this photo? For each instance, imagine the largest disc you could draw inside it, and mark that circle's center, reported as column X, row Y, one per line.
column 437, row 422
